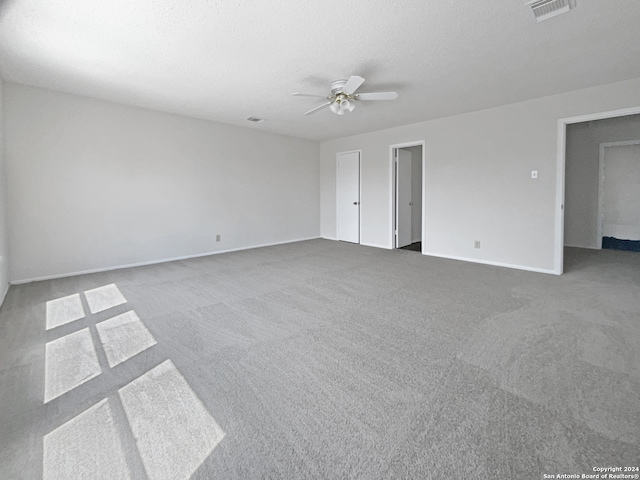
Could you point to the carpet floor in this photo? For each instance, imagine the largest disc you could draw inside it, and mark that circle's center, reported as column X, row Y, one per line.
column 325, row 360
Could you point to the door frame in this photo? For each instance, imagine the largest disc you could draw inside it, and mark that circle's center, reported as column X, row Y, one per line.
column 601, row 184
column 392, row 190
column 558, row 264
column 359, row 152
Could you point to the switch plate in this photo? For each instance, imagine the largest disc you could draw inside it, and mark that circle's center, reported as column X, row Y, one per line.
column 217, row 237
column 534, row 174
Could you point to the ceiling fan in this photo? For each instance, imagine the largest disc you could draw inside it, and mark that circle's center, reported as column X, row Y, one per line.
column 343, row 97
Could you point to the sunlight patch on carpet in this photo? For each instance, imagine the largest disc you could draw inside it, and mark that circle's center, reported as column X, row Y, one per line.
column 64, row 310
column 174, row 431
column 87, row 446
column 69, row 361
column 103, row 298
column 124, row 336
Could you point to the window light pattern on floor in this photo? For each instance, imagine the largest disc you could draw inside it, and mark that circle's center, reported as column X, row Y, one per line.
column 186, row 426
column 64, row 310
column 70, row 361
column 89, row 445
column 104, row 298
column 123, row 337
column 68, row 454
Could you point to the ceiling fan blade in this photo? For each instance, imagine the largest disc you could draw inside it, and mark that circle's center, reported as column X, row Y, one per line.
column 308, row 95
column 314, row 110
column 377, row 96
column 352, row 84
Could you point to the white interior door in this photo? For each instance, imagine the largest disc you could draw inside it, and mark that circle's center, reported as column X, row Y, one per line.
column 416, row 194
column 403, row 198
column 621, row 192
column 348, row 197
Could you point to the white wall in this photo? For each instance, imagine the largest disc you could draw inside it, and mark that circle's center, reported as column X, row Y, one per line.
column 4, row 272
column 94, row 184
column 478, row 177
column 582, row 166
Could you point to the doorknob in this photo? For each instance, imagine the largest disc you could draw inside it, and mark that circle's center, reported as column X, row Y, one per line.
column 355, row 203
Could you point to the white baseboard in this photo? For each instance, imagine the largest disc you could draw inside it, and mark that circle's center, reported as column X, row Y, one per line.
column 364, row 244
column 495, row 264
column 4, row 295
column 153, row 262
column 375, row 245
column 582, row 246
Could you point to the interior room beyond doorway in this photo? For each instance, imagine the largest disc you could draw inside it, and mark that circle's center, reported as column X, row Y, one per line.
column 408, row 196
column 602, row 174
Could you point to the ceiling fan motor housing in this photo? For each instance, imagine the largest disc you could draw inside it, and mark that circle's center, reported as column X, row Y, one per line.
column 337, row 86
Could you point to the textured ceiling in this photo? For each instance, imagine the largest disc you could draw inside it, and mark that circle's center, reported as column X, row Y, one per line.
column 228, row 60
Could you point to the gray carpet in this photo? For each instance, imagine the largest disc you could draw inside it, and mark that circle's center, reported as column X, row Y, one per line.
column 325, row 360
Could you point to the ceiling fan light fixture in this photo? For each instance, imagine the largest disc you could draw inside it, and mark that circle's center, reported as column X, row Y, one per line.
column 341, row 105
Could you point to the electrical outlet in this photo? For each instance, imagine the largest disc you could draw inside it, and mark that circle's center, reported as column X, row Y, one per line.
column 476, row 244
column 218, row 237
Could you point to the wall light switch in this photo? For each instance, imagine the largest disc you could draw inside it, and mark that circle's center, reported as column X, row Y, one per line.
column 534, row 173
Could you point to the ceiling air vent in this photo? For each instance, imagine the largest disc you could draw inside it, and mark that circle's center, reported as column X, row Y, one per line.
column 544, row 9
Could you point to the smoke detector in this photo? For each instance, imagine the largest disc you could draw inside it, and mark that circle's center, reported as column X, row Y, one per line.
column 545, row 9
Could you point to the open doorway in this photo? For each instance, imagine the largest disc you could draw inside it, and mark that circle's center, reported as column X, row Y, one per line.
column 599, row 170
column 407, row 201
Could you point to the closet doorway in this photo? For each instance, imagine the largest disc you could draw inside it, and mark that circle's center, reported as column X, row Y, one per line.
column 408, row 193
